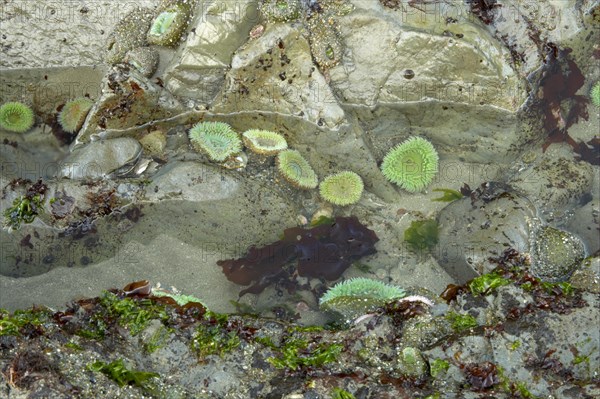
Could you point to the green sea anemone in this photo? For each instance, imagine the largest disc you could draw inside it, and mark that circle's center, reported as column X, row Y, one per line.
column 595, row 94
column 168, row 26
column 296, row 170
column 16, row 117
column 411, row 164
column 264, row 142
column 357, row 296
column 280, row 10
column 73, row 114
column 344, row 188
column 217, row 139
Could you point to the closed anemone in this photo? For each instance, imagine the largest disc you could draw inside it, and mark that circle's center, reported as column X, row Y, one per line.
column 296, row 170
column 73, row 114
column 264, row 142
column 216, row 139
column 412, row 164
column 344, row 188
column 16, row 117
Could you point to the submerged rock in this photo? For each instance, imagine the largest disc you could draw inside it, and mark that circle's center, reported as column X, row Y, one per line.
column 101, row 159
column 144, row 59
column 555, row 254
column 474, row 230
column 128, row 100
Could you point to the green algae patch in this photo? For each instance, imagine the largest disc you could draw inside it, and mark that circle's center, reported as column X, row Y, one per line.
column 297, row 353
column 448, row 195
column 131, row 314
column 422, row 234
column 486, row 283
column 339, row 393
column 22, row 320
column 119, row 373
column 461, row 322
column 438, row 366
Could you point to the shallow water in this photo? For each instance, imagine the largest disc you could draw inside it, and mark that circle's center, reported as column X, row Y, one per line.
column 175, row 235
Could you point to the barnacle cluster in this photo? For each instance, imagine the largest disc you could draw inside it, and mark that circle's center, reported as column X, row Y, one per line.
column 319, row 18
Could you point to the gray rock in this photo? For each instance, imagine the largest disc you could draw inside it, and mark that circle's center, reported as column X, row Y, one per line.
column 556, row 185
column 144, row 59
column 275, row 73
column 585, row 222
column 101, row 159
column 472, row 231
column 451, row 82
column 217, row 30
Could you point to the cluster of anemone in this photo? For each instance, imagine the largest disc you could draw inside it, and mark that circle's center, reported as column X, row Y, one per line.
column 296, row 170
column 357, row 296
column 16, row 117
column 170, row 23
column 412, row 165
column 343, row 188
column 73, row 114
column 216, row 139
column 220, row 142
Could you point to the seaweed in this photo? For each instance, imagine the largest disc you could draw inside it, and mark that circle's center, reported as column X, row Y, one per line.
column 324, row 251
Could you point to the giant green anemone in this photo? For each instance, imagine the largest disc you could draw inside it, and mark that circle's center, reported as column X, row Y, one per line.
column 344, row 188
column 73, row 114
column 411, row 164
column 357, row 296
column 296, row 170
column 264, row 142
column 169, row 24
column 16, row 117
column 216, row 139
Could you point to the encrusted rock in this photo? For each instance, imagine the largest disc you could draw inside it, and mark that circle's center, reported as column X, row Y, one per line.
column 144, row 59
column 129, row 33
column 556, row 253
